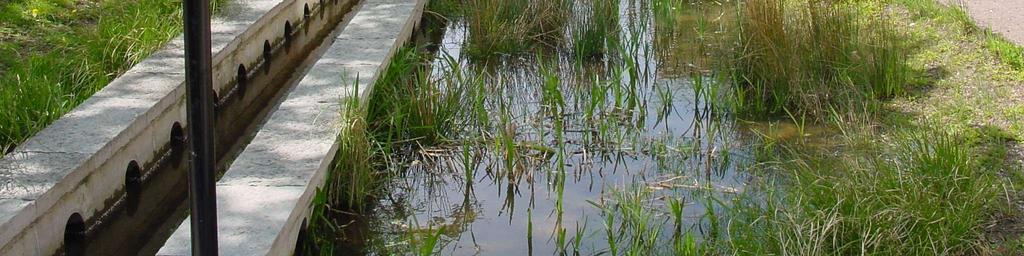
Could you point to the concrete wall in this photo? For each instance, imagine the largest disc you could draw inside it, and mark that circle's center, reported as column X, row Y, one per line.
column 78, row 164
column 266, row 194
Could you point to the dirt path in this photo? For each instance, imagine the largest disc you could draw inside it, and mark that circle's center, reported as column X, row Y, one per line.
column 1005, row 17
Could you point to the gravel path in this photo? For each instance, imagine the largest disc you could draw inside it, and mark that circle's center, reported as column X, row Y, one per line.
column 1005, row 17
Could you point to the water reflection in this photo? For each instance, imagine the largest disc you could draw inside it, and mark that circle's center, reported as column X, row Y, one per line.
column 560, row 155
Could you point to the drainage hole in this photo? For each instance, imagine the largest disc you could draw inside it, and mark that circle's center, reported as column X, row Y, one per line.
column 216, row 98
column 243, row 80
column 177, row 136
column 133, row 186
column 266, row 55
column 287, row 31
column 302, row 246
column 178, row 143
column 74, row 235
column 321, row 6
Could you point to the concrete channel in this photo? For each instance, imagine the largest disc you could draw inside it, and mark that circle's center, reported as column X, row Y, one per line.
column 264, row 198
column 108, row 178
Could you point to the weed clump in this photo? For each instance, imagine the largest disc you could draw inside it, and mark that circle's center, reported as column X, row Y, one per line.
column 498, row 27
column 354, row 177
column 405, row 108
column 816, row 57
column 1008, row 52
column 596, row 29
column 926, row 194
column 407, row 104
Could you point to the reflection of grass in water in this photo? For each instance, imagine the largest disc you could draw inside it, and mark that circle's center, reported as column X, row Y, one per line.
column 520, row 146
column 503, row 27
column 634, row 224
column 926, row 194
column 688, row 33
column 516, row 123
column 595, row 31
column 513, row 26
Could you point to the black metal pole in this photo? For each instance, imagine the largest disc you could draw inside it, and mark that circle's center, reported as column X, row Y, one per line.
column 199, row 81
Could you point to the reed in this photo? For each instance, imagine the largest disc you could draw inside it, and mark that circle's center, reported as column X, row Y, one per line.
column 595, row 31
column 408, row 104
column 406, row 107
column 512, row 27
column 354, row 176
column 812, row 57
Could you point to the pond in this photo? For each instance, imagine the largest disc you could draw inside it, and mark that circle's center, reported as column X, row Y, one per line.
column 550, row 152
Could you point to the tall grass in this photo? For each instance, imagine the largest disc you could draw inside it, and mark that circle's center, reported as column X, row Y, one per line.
column 509, row 27
column 406, row 110
column 925, row 194
column 62, row 52
column 815, row 57
column 354, row 176
column 407, row 104
column 595, row 31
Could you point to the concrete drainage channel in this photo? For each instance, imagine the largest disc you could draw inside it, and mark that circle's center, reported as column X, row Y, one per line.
column 264, row 198
column 108, row 178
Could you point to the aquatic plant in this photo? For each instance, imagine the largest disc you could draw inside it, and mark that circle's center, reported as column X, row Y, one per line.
column 407, row 104
column 595, row 31
column 509, row 27
column 927, row 194
column 404, row 106
column 426, row 245
column 353, row 177
column 815, row 56
column 577, row 240
column 318, row 241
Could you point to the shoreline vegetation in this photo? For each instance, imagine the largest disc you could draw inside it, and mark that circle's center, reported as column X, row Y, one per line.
column 869, row 163
column 876, row 127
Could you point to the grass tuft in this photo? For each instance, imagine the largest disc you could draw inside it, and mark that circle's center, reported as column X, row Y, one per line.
column 816, row 57
column 596, row 30
column 511, row 27
column 1009, row 53
column 925, row 195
